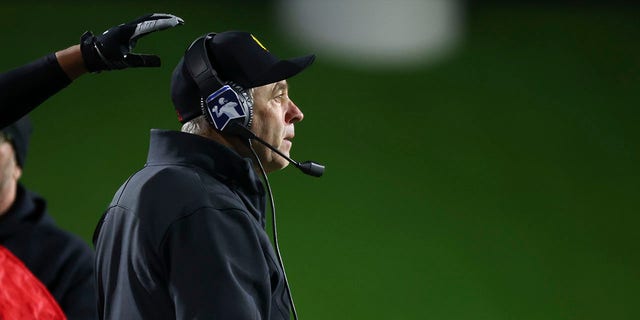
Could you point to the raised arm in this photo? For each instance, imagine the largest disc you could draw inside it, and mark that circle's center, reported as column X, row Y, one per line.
column 24, row 88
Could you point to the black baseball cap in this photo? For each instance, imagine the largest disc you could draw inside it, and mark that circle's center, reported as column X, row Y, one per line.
column 237, row 57
column 18, row 134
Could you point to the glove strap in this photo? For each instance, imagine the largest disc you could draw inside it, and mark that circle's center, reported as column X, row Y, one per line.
column 94, row 61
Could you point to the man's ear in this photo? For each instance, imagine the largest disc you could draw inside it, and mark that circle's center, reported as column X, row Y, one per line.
column 17, row 173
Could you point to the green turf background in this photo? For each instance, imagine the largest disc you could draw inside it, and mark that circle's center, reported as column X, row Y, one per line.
column 501, row 183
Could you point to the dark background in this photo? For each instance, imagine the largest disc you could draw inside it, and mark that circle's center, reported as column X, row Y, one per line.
column 500, row 183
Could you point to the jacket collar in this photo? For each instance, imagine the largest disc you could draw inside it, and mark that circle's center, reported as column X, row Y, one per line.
column 221, row 162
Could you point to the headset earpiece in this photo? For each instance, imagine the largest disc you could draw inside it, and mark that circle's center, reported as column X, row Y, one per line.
column 230, row 103
column 222, row 102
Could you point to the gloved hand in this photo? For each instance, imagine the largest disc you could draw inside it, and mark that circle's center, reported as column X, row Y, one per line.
column 112, row 49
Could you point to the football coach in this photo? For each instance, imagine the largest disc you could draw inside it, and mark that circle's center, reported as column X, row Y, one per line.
column 184, row 237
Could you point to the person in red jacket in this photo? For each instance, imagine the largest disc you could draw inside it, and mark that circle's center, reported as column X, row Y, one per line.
column 46, row 272
column 42, row 268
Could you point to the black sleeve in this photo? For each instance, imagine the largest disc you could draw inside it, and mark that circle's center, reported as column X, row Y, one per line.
column 216, row 267
column 24, row 88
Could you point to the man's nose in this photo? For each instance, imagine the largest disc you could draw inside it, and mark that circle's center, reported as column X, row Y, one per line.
column 293, row 114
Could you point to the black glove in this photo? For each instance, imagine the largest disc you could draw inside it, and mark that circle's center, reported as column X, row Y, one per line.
column 112, row 49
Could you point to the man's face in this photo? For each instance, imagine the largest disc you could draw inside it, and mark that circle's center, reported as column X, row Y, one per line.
column 9, row 170
column 274, row 115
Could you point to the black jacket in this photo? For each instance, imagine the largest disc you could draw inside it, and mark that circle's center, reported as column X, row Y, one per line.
column 24, row 88
column 61, row 261
column 184, row 238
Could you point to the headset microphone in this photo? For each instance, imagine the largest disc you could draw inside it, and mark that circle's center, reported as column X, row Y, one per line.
column 308, row 167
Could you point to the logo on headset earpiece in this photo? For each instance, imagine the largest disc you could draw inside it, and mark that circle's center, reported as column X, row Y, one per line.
column 226, row 104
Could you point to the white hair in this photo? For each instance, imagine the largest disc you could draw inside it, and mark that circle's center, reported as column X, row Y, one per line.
column 198, row 125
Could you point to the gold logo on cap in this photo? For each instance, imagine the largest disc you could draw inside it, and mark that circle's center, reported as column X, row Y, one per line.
column 258, row 42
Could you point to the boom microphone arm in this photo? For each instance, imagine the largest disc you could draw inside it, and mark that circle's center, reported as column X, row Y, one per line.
column 307, row 167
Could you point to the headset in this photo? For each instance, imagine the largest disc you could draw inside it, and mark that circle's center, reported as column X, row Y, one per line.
column 223, row 103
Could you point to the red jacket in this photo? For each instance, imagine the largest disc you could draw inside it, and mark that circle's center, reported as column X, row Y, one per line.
column 23, row 296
